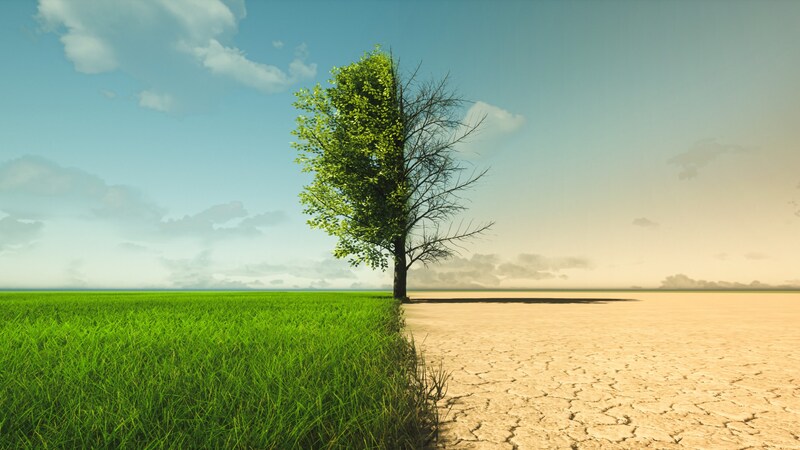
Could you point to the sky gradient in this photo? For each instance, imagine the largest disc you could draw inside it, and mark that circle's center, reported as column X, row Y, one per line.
column 145, row 143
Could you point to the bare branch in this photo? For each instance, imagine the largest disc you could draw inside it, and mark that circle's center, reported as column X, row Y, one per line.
column 387, row 174
column 436, row 246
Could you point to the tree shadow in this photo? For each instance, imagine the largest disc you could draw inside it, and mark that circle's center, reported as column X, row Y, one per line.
column 528, row 300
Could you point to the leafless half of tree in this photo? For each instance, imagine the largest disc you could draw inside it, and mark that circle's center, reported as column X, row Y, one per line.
column 433, row 125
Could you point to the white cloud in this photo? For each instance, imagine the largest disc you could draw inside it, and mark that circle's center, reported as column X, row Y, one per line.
column 33, row 187
column 305, row 273
column 543, row 263
column 262, row 220
column 319, row 284
column 702, row 154
column 36, row 187
column 756, row 256
column 198, row 273
column 89, row 53
column 87, row 50
column 74, row 274
column 477, row 272
column 200, row 19
column 158, row 102
column 232, row 62
column 497, row 122
column 222, row 213
column 490, row 271
column 645, row 223
column 15, row 233
column 299, row 70
column 237, row 7
column 681, row 281
column 133, row 247
column 215, row 222
column 277, row 44
column 327, row 269
column 175, row 48
column 205, row 221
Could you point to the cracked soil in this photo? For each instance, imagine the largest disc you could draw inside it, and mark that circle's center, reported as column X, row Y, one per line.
column 614, row 370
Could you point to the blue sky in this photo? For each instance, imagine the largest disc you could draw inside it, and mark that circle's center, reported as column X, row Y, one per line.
column 145, row 143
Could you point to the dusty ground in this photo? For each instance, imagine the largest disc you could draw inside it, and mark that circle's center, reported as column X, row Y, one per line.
column 663, row 370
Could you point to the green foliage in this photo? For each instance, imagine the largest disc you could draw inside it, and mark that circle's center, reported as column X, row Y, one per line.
column 205, row 370
column 351, row 138
column 386, row 180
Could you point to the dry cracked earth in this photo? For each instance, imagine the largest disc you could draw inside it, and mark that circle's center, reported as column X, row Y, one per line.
column 614, row 370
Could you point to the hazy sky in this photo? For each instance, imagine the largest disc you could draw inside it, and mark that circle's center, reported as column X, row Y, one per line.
column 145, row 143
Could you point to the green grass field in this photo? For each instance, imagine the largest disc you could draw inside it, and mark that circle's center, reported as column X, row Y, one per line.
column 206, row 370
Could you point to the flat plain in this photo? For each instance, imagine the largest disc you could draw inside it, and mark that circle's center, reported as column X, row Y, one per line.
column 631, row 369
column 177, row 370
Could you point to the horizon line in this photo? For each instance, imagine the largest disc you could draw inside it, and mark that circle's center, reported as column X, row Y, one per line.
column 151, row 289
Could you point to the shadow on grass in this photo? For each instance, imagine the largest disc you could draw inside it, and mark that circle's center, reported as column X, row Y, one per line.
column 532, row 300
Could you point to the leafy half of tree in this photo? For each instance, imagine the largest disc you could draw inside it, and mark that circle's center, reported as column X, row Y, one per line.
column 387, row 181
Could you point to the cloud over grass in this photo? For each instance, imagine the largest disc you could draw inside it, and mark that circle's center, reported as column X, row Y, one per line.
column 325, row 269
column 198, row 272
column 231, row 62
column 221, row 221
column 32, row 187
column 15, row 233
column 158, row 102
column 175, row 48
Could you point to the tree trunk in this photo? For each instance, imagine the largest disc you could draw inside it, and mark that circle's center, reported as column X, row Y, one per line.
column 400, row 270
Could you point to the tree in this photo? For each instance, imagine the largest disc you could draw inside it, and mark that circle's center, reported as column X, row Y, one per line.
column 387, row 182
